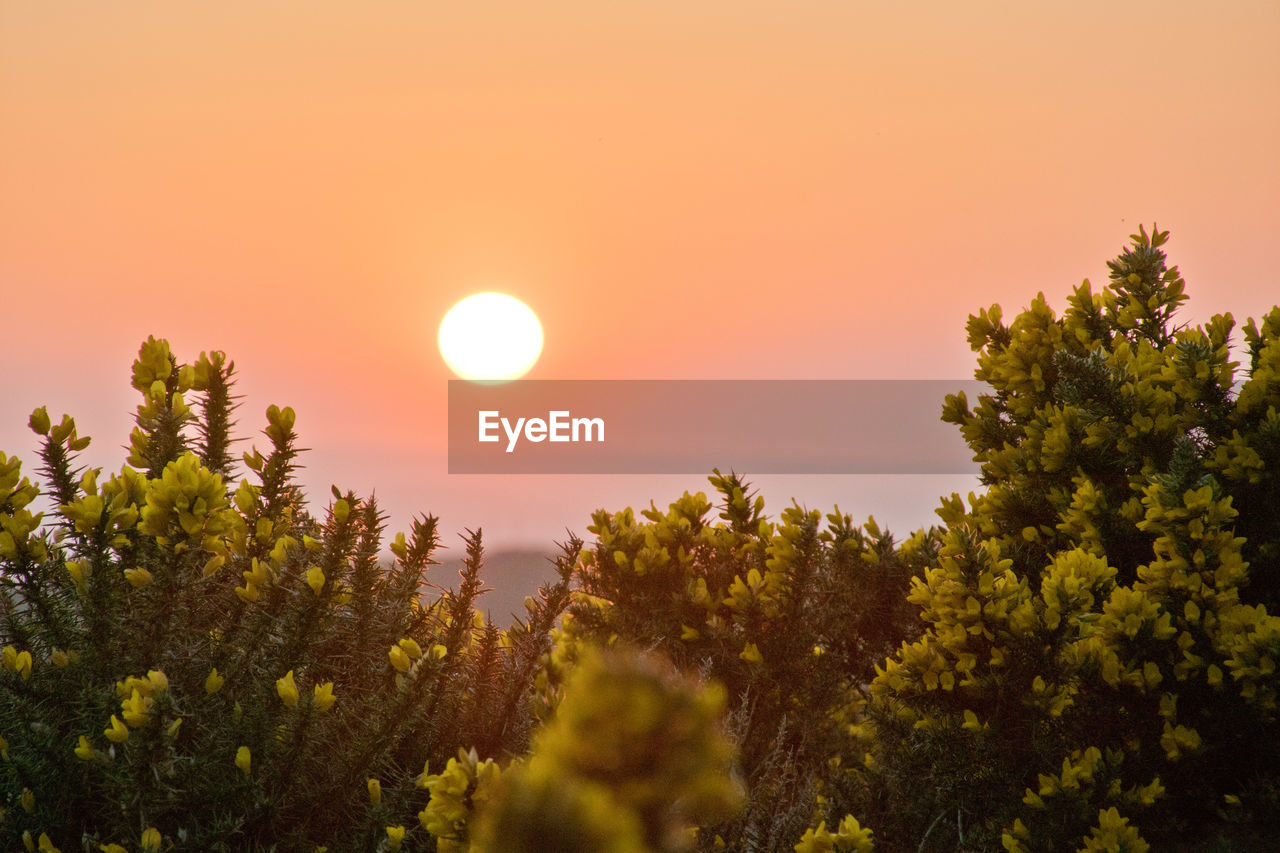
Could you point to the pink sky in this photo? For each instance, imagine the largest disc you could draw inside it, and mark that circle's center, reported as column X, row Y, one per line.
column 737, row 189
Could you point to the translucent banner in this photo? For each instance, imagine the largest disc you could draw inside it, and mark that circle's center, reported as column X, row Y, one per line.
column 765, row 426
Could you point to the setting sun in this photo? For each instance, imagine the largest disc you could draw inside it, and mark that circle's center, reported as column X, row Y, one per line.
column 490, row 337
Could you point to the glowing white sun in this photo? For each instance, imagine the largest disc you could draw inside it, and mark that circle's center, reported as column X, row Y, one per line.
column 490, row 337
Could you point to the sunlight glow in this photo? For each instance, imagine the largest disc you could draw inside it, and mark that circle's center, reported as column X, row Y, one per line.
column 490, row 337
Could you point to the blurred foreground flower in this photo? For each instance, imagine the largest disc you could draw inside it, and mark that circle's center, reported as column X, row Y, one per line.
column 634, row 758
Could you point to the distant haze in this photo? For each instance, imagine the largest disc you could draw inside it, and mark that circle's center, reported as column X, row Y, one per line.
column 509, row 575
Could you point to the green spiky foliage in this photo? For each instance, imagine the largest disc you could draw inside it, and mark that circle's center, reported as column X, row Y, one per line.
column 1098, row 661
column 192, row 663
column 789, row 615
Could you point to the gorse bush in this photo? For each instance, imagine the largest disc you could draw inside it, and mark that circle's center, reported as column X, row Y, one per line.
column 1081, row 657
column 1098, row 661
column 790, row 616
column 193, row 664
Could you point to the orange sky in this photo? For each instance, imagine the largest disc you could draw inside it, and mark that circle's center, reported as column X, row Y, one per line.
column 811, row 189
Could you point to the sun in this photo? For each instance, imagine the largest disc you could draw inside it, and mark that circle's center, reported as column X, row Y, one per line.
column 490, row 337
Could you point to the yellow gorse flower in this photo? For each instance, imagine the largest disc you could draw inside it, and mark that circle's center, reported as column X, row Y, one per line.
column 848, row 836
column 187, row 505
column 138, row 578
column 136, row 710
column 213, row 682
column 16, row 661
column 375, row 791
column 213, row 564
column 399, row 659
column 449, row 807
column 84, row 750
column 315, row 579
column 395, row 837
column 244, row 760
column 324, row 697
column 78, row 572
column 118, row 733
column 151, row 838
column 287, row 689
column 39, row 422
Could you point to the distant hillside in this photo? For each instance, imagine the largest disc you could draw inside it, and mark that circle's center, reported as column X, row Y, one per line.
column 509, row 576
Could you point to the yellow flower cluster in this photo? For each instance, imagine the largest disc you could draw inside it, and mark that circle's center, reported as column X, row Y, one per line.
column 757, row 590
column 629, row 737
column 44, row 844
column 407, row 650
column 849, row 837
column 255, row 577
column 162, row 383
column 1114, row 834
column 465, row 784
column 137, row 697
column 322, row 700
column 16, row 661
column 187, row 506
column 973, row 602
column 17, row 522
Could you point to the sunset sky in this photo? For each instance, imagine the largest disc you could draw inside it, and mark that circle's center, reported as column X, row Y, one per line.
column 808, row 189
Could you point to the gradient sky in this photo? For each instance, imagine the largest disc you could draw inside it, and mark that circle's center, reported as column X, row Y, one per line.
column 803, row 189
